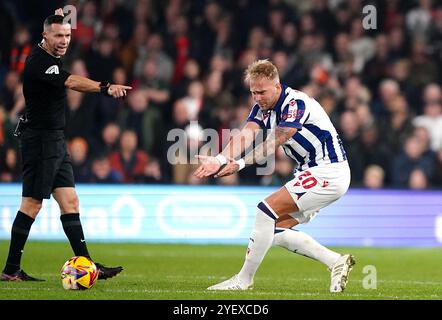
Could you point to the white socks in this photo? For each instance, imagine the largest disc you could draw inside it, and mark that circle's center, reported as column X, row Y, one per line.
column 264, row 235
column 260, row 242
column 301, row 243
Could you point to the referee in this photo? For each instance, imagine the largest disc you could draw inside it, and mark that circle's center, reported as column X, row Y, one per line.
column 47, row 167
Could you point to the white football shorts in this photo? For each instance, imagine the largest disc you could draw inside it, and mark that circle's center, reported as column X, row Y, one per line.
column 317, row 187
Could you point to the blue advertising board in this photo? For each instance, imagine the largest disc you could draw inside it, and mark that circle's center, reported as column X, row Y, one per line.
column 210, row 214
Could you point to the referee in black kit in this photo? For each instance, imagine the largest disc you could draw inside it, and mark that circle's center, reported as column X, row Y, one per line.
column 47, row 167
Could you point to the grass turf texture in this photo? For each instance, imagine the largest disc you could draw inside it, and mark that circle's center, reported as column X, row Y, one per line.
column 183, row 272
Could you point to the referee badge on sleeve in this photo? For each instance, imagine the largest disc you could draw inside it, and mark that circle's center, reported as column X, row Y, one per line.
column 52, row 69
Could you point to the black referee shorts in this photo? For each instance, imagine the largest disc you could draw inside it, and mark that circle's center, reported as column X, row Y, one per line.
column 46, row 163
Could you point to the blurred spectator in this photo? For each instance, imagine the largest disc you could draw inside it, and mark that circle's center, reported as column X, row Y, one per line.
column 20, row 50
column 432, row 117
column 360, row 45
column 80, row 115
column 117, row 12
column 6, row 129
column 145, row 120
column 397, row 126
column 418, row 180
column 84, row 34
column 184, row 157
column 7, row 25
column 194, row 99
column 342, row 17
column 157, row 90
column 435, row 39
column 324, row 19
column 375, row 151
column 152, row 172
column 134, row 49
column 153, row 51
column 101, row 61
column 206, row 31
column 419, row 18
column 78, row 67
column 129, row 161
column 349, row 133
column 110, row 137
column 192, row 72
column 422, row 68
column 284, row 170
column 11, row 170
column 398, row 42
column 119, row 76
column 78, row 149
column 400, row 73
column 102, row 171
column 374, row 177
column 393, row 16
column 387, row 92
column 225, row 44
column 329, row 102
column 288, row 40
column 239, row 90
column 8, row 89
column 376, row 69
column 215, row 100
column 412, row 157
column 181, row 45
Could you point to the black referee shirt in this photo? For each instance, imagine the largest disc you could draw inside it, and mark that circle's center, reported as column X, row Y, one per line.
column 44, row 90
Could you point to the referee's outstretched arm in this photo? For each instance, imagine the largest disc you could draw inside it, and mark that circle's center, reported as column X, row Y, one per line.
column 79, row 83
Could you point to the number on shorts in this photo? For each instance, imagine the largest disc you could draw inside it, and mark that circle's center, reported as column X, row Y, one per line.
column 307, row 180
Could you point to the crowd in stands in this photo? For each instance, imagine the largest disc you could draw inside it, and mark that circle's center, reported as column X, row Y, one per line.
column 185, row 61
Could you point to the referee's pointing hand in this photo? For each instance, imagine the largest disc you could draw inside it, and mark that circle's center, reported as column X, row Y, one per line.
column 118, row 91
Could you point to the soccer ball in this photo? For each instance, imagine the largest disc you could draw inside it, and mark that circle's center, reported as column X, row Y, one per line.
column 79, row 273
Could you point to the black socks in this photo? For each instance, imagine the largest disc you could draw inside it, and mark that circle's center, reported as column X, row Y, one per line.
column 19, row 234
column 74, row 231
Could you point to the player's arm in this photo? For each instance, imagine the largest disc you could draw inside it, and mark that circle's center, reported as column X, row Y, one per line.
column 268, row 147
column 234, row 148
column 240, row 142
column 82, row 84
column 263, row 151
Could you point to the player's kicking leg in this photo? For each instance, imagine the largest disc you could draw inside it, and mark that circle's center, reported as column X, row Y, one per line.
column 340, row 271
column 303, row 244
column 234, row 283
column 277, row 204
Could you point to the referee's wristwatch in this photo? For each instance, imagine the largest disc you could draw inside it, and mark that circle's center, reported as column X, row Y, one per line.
column 104, row 87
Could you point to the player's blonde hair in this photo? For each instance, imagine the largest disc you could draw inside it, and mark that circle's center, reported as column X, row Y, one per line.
column 261, row 69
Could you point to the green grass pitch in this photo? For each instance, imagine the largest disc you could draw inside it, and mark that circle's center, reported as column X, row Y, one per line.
column 183, row 272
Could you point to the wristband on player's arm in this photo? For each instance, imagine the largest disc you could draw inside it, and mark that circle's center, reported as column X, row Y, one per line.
column 222, row 159
column 104, row 87
column 242, row 163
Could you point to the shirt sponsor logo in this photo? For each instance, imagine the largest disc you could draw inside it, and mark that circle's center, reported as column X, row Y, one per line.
column 293, row 114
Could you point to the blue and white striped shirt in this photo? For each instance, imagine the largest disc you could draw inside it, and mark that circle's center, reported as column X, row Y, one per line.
column 316, row 142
